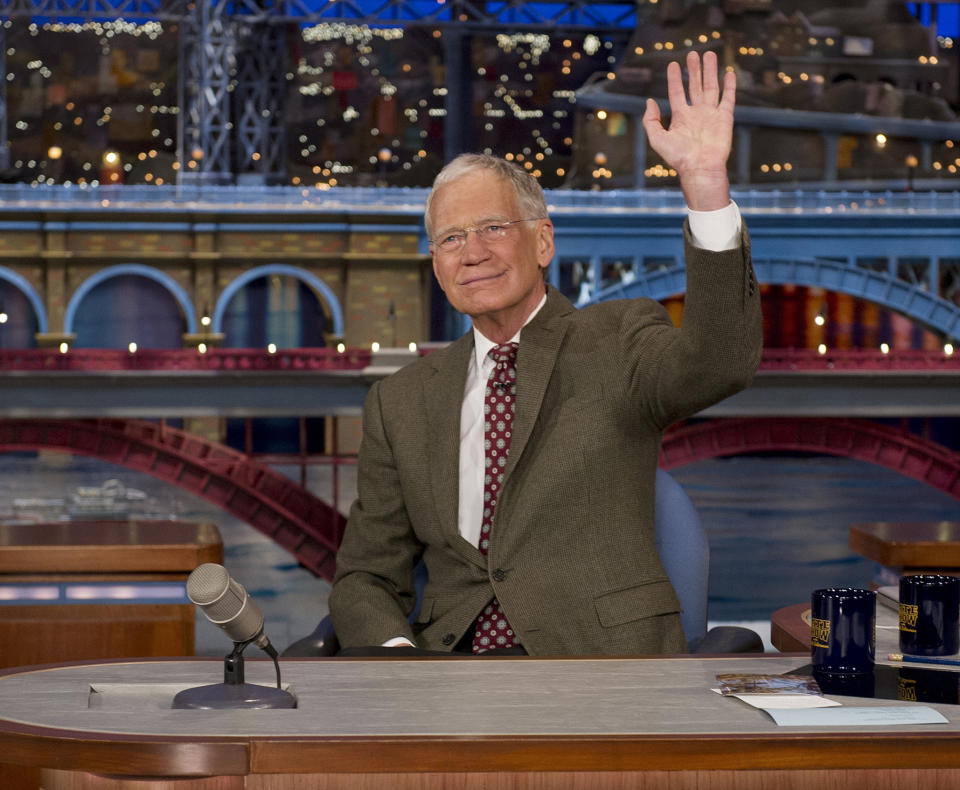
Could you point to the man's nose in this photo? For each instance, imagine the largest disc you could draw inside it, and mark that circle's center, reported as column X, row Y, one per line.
column 474, row 247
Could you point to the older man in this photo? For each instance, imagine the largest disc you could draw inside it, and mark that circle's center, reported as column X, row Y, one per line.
column 519, row 462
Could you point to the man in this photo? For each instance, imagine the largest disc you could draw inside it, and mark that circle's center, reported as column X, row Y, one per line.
column 529, row 495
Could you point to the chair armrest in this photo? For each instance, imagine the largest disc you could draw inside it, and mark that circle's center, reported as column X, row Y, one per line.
column 728, row 639
column 321, row 642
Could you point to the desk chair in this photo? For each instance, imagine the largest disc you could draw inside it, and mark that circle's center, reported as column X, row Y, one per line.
column 685, row 553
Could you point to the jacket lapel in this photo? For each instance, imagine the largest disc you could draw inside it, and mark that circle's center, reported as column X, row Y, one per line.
column 443, row 394
column 540, row 342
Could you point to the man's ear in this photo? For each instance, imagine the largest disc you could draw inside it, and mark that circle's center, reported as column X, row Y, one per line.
column 545, row 245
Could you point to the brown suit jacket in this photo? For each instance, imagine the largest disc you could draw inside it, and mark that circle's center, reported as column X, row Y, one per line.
column 572, row 557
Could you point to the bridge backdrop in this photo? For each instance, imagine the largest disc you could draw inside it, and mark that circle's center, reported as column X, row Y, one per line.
column 364, row 255
column 364, row 252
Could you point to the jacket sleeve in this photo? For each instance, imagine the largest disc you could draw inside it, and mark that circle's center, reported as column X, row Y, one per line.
column 373, row 588
column 715, row 352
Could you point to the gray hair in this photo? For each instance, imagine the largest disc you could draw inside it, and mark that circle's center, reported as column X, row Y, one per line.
column 526, row 188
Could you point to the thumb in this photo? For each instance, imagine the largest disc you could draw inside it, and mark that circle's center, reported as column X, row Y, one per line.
column 651, row 115
column 652, row 123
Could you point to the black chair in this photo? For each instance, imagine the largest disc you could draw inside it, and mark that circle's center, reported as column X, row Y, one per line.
column 685, row 553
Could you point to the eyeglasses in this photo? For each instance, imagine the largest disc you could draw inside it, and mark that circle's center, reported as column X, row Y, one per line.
column 487, row 233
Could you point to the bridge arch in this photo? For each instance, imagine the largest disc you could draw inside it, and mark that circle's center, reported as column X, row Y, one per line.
column 300, row 522
column 23, row 285
column 883, row 445
column 140, row 270
column 283, row 269
column 881, row 288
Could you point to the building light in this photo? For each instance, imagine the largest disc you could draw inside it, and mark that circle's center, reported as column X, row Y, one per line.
column 822, row 349
column 132, row 347
column 271, row 348
column 884, row 348
column 341, row 347
column 374, row 346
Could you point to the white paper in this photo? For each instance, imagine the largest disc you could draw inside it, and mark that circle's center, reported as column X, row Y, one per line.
column 868, row 716
column 783, row 701
column 786, row 701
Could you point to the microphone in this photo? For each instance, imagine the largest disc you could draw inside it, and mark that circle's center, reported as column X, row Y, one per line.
column 225, row 603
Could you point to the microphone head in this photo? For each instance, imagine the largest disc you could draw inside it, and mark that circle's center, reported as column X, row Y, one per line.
column 225, row 602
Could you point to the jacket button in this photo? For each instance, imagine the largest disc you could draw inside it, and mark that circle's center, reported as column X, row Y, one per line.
column 499, row 575
column 449, row 639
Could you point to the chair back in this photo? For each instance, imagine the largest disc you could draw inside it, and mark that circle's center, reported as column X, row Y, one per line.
column 684, row 551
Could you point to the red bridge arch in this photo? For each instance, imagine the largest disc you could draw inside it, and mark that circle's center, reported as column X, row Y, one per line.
column 300, row 522
column 311, row 529
column 894, row 448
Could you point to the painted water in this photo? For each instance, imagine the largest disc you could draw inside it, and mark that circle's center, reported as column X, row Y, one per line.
column 778, row 528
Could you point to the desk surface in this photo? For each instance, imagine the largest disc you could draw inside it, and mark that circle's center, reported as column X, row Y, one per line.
column 510, row 714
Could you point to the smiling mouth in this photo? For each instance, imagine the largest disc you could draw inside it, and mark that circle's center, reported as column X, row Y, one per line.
column 480, row 280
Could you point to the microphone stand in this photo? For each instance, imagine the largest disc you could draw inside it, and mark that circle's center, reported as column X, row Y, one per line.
column 235, row 692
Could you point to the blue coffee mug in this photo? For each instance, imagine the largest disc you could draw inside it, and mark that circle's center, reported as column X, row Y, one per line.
column 843, row 629
column 929, row 609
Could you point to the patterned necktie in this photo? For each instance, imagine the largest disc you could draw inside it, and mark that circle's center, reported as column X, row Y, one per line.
column 492, row 629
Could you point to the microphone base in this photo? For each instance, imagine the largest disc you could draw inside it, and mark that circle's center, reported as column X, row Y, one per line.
column 232, row 696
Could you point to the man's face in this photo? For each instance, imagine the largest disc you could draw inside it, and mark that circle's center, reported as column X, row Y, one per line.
column 496, row 282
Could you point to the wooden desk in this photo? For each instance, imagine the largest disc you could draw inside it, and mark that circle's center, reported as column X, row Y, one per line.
column 790, row 628
column 465, row 723
column 65, row 553
column 909, row 547
column 162, row 549
column 103, row 551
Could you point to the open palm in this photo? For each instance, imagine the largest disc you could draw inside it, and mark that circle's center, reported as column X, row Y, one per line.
column 699, row 139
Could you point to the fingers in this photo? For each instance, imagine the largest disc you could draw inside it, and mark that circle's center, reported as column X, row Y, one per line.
column 675, row 92
column 703, row 83
column 694, row 77
column 711, row 88
column 729, row 91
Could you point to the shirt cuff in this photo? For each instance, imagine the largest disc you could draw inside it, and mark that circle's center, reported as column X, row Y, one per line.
column 398, row 641
column 716, row 231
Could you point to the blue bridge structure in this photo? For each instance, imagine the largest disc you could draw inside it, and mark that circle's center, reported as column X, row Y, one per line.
column 900, row 250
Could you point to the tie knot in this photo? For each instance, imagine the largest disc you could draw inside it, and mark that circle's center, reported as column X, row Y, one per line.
column 506, row 353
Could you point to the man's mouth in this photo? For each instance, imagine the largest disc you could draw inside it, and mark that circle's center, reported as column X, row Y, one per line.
column 480, row 279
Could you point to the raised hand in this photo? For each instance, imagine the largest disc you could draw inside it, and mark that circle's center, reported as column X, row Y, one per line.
column 698, row 142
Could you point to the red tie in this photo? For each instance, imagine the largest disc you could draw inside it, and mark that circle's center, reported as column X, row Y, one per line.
column 492, row 629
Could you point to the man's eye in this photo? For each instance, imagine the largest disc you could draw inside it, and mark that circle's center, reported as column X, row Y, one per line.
column 452, row 238
column 493, row 228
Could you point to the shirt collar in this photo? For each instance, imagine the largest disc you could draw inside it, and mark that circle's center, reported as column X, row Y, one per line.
column 482, row 344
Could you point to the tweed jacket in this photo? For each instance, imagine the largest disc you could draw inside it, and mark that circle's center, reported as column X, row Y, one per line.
column 572, row 558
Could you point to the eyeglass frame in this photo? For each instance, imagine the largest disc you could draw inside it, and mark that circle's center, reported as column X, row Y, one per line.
column 481, row 230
